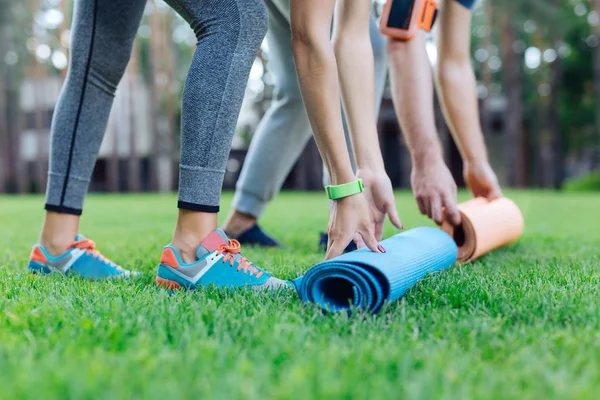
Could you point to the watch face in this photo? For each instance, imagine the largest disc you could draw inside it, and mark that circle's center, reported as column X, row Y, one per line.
column 400, row 14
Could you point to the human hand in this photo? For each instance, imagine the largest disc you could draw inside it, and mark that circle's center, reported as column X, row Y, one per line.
column 481, row 180
column 435, row 189
column 380, row 196
column 350, row 218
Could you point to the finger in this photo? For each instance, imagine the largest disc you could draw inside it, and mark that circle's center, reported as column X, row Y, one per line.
column 337, row 247
column 360, row 243
column 371, row 242
column 379, row 229
column 392, row 213
column 427, row 205
column 421, row 204
column 494, row 194
column 436, row 210
column 451, row 211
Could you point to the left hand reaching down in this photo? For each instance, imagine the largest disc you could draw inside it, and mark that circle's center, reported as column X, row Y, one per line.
column 349, row 218
column 380, row 197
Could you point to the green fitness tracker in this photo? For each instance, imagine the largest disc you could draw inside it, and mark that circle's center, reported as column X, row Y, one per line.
column 344, row 190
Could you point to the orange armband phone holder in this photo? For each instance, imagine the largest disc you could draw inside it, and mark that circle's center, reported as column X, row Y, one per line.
column 402, row 18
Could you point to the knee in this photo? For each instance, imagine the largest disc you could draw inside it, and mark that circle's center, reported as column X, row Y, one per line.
column 106, row 72
column 287, row 88
column 397, row 50
column 242, row 22
column 450, row 71
column 290, row 96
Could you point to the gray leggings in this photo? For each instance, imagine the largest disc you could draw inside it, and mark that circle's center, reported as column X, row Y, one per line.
column 229, row 35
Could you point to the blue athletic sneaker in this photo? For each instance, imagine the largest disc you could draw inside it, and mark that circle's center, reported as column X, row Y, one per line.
column 219, row 263
column 255, row 236
column 80, row 259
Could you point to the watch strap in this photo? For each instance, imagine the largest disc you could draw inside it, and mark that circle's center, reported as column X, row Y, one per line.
column 335, row 192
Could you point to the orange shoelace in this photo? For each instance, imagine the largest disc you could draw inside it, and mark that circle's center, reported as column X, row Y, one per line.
column 234, row 247
column 90, row 248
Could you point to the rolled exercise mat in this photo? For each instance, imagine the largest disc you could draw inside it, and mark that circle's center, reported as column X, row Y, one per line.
column 365, row 279
column 486, row 225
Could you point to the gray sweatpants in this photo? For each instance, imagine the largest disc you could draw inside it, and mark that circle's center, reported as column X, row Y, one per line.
column 229, row 35
column 284, row 130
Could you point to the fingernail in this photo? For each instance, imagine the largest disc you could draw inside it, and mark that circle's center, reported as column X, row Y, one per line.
column 381, row 249
column 401, row 226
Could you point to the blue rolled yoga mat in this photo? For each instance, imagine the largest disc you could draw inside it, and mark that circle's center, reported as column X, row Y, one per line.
column 365, row 279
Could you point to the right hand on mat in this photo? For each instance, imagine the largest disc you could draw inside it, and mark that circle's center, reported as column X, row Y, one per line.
column 481, row 180
column 435, row 190
column 350, row 216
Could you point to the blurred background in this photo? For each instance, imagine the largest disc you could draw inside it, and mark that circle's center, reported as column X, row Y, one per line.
column 537, row 64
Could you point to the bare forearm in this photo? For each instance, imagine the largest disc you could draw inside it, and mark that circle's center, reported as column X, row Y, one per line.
column 317, row 76
column 354, row 56
column 412, row 91
column 457, row 89
column 456, row 82
column 412, row 88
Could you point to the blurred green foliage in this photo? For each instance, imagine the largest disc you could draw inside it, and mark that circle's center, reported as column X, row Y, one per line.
column 585, row 183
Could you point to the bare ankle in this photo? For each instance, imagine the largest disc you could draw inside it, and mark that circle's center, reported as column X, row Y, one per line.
column 192, row 228
column 185, row 247
column 59, row 232
column 55, row 248
column 238, row 222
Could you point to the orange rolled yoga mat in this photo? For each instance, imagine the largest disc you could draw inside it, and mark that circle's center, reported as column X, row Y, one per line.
column 486, row 225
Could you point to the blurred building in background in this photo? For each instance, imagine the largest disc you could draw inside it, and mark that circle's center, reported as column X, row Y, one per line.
column 537, row 64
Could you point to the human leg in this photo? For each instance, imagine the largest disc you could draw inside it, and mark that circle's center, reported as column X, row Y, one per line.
column 102, row 38
column 229, row 34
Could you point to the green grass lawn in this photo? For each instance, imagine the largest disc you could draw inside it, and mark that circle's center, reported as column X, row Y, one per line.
column 522, row 322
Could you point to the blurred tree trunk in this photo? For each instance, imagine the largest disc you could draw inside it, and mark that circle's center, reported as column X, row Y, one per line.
column 171, row 98
column 4, row 139
column 554, row 123
column 40, row 120
column 596, row 50
column 112, row 165
column 516, row 168
column 554, row 111
column 486, row 73
column 40, row 124
column 549, row 172
column 155, row 102
column 65, row 8
column 134, row 160
column 14, row 171
column 544, row 165
column 162, row 160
